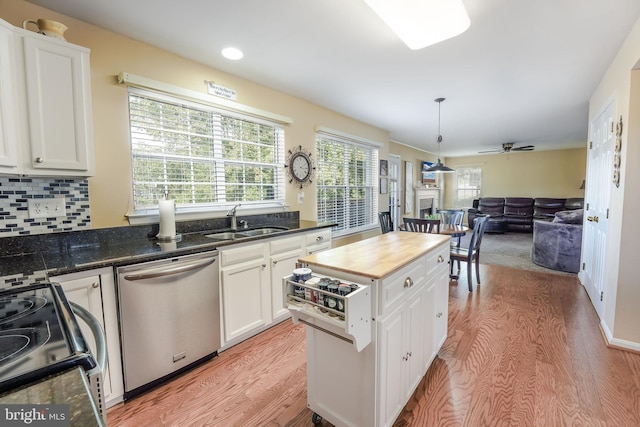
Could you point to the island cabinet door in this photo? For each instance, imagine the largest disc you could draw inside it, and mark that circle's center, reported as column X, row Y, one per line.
column 401, row 357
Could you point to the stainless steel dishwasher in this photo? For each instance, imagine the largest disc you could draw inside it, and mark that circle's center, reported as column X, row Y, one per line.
column 169, row 318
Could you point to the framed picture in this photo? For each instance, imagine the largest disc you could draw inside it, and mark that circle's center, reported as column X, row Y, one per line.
column 408, row 187
column 384, row 185
column 428, row 177
column 384, row 168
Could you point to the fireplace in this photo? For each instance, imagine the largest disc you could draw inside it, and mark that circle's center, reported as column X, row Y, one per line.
column 425, row 207
column 427, row 201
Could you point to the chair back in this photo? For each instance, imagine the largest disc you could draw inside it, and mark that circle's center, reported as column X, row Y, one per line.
column 385, row 222
column 450, row 216
column 420, row 225
column 478, row 230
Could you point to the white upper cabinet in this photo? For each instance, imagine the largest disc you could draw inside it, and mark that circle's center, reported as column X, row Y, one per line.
column 52, row 102
column 8, row 124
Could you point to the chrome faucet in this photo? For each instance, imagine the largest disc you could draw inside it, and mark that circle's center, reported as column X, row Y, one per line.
column 232, row 213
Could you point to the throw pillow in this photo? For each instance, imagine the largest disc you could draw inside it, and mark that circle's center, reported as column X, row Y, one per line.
column 569, row 217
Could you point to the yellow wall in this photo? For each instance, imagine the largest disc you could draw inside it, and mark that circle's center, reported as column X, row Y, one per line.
column 111, row 53
column 556, row 173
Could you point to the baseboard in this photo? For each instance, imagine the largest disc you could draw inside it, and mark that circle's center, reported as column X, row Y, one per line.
column 617, row 343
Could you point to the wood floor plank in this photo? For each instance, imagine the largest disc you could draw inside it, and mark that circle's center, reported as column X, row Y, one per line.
column 523, row 349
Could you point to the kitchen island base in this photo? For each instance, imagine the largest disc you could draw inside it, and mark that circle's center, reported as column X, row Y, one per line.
column 349, row 384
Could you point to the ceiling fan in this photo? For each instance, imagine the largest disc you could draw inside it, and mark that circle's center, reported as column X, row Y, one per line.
column 508, row 147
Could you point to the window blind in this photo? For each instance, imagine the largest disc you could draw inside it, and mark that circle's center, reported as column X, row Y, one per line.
column 201, row 157
column 468, row 185
column 347, row 177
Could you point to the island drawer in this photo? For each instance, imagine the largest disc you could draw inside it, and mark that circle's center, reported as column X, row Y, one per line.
column 394, row 289
column 349, row 319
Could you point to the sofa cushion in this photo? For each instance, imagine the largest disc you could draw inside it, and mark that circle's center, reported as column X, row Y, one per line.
column 545, row 208
column 569, row 217
column 518, row 206
column 574, row 203
column 492, row 206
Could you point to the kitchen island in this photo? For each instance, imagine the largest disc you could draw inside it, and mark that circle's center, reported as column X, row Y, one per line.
column 364, row 365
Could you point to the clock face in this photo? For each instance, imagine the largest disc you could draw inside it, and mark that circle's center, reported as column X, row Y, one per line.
column 300, row 167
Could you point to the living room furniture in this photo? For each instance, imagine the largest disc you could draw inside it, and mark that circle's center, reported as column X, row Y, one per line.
column 518, row 213
column 385, row 221
column 420, row 225
column 470, row 254
column 557, row 244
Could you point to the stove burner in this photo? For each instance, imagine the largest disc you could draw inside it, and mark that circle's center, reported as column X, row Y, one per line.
column 19, row 342
column 13, row 308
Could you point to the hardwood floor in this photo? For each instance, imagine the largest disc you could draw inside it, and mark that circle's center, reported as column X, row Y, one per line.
column 524, row 349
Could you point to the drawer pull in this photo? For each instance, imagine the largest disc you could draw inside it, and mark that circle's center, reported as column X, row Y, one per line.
column 440, row 259
column 319, row 239
column 408, row 282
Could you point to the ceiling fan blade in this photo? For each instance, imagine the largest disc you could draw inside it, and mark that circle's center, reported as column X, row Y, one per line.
column 524, row 148
column 492, row 151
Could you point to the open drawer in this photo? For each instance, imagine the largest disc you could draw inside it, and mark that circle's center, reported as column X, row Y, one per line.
column 350, row 320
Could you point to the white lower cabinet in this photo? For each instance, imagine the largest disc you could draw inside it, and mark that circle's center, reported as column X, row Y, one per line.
column 284, row 254
column 94, row 290
column 245, row 290
column 251, row 275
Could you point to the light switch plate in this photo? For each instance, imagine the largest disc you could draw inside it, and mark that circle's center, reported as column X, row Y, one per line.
column 47, row 208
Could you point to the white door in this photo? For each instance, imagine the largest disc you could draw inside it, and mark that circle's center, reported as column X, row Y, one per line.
column 597, row 194
column 394, row 189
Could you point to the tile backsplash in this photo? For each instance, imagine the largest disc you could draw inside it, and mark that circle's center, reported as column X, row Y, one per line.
column 14, row 211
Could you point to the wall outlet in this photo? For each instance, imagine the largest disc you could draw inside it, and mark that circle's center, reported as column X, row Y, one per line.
column 47, row 208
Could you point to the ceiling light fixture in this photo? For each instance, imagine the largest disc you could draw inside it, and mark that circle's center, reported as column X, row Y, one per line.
column 421, row 23
column 232, row 53
column 439, row 167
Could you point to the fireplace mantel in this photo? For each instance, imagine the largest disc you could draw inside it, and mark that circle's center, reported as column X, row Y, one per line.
column 427, row 193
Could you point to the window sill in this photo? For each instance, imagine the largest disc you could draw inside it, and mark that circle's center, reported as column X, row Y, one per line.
column 151, row 216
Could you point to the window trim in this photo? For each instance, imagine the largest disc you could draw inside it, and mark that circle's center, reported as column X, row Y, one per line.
column 184, row 213
column 355, row 140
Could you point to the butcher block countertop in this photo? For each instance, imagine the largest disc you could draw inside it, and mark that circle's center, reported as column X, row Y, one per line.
column 378, row 256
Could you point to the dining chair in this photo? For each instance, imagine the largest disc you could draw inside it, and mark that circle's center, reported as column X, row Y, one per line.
column 385, row 222
column 472, row 253
column 420, row 225
column 453, row 217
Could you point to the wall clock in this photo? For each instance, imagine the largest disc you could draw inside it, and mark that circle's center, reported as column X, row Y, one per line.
column 300, row 168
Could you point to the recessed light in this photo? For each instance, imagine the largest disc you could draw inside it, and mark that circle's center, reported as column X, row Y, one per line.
column 232, row 53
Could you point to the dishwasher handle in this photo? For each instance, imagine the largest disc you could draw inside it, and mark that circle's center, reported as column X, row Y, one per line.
column 169, row 271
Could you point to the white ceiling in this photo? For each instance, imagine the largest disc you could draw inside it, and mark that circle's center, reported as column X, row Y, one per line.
column 523, row 71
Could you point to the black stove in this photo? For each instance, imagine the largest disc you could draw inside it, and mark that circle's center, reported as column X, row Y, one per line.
column 39, row 335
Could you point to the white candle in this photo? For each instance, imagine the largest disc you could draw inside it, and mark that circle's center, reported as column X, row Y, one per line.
column 167, row 218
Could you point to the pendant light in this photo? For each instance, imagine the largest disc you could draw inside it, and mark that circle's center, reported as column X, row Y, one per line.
column 439, row 167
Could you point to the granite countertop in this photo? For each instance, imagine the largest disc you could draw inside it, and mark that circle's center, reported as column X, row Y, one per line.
column 378, row 256
column 61, row 253
column 69, row 389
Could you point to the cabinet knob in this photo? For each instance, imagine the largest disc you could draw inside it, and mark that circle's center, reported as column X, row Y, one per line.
column 440, row 259
column 95, row 285
column 264, row 265
column 408, row 282
column 39, row 160
column 275, row 262
column 319, row 239
column 439, row 315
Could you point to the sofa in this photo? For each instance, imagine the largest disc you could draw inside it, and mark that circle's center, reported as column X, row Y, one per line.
column 518, row 213
column 557, row 244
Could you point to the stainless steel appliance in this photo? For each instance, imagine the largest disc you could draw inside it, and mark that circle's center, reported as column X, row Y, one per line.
column 40, row 336
column 169, row 318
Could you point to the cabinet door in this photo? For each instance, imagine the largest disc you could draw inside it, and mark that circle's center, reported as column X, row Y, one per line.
column 429, row 304
column 415, row 345
column 59, row 106
column 245, row 298
column 392, row 356
column 281, row 265
column 441, row 308
column 8, row 124
column 86, row 293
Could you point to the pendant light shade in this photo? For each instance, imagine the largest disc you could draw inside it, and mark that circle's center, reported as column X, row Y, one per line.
column 439, row 167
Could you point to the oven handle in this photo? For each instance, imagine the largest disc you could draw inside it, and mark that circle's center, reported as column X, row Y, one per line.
column 161, row 272
column 98, row 334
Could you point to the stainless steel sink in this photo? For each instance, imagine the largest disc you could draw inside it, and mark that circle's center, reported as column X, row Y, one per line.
column 235, row 235
column 261, row 231
column 228, row 235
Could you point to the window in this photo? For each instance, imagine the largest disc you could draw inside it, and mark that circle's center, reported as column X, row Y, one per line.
column 201, row 157
column 347, row 173
column 469, row 184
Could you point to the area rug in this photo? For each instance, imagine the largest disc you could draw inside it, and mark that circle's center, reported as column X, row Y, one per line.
column 508, row 250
